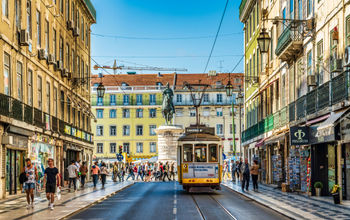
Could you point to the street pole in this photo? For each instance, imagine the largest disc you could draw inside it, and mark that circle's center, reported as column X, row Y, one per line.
column 240, row 127
column 233, row 129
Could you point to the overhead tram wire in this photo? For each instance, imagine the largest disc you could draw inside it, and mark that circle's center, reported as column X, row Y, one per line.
column 216, row 37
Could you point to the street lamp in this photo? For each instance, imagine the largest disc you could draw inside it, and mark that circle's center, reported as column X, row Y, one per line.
column 264, row 41
column 229, row 89
column 100, row 90
column 240, row 101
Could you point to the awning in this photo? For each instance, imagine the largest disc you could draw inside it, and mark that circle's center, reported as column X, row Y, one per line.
column 316, row 120
column 332, row 120
column 260, row 142
column 275, row 139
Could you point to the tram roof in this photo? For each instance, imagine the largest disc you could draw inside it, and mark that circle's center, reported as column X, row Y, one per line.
column 199, row 137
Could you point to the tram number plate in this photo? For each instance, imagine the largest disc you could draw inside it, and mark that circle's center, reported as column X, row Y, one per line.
column 185, row 168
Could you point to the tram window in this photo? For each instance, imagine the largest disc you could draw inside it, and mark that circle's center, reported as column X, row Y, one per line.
column 200, row 153
column 213, row 153
column 187, row 153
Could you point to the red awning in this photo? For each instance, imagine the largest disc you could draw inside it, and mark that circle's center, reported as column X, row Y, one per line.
column 260, row 142
column 322, row 118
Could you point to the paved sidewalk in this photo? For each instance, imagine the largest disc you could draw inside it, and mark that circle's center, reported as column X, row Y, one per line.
column 70, row 203
column 293, row 205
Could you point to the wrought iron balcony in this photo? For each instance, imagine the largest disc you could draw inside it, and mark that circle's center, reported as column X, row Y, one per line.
column 38, row 118
column 290, row 42
column 4, row 105
column 54, row 124
column 28, row 114
column 311, row 102
column 16, row 109
column 61, row 126
column 292, row 111
column 323, row 96
column 301, row 109
column 340, row 85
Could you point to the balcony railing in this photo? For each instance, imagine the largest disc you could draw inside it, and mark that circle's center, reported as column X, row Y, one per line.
column 311, row 102
column 4, row 105
column 292, row 111
column 289, row 41
column 38, row 118
column 340, row 85
column 323, row 96
column 28, row 114
column 54, row 124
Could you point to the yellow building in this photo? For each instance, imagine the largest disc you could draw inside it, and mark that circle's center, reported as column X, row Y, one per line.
column 44, row 103
column 128, row 114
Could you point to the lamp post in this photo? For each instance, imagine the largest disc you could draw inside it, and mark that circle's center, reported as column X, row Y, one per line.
column 229, row 90
column 240, row 101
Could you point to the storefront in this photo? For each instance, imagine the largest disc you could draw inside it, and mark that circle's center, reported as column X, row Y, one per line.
column 299, row 167
column 16, row 150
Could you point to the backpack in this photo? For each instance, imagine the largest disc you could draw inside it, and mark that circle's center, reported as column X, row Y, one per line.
column 23, row 178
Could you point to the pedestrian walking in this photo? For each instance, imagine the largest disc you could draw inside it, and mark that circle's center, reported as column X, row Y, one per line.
column 95, row 170
column 172, row 171
column 233, row 170
column 72, row 174
column 139, row 172
column 121, row 172
column 237, row 171
column 83, row 171
column 29, row 185
column 131, row 174
column 104, row 173
column 115, row 172
column 166, row 171
column 245, row 171
column 255, row 172
column 51, row 179
column 147, row 176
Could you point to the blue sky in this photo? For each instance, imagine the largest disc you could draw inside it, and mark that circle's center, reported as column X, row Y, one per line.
column 154, row 24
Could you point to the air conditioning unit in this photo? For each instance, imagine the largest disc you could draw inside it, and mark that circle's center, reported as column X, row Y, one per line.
column 59, row 65
column 42, row 54
column 311, row 80
column 70, row 25
column 347, row 56
column 76, row 32
column 51, row 59
column 24, row 38
column 64, row 73
column 336, row 65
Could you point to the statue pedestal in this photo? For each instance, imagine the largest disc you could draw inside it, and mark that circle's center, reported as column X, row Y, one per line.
column 167, row 142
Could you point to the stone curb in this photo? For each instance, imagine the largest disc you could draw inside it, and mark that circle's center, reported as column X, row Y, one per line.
column 94, row 202
column 288, row 215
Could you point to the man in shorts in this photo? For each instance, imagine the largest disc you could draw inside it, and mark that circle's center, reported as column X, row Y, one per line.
column 29, row 185
column 51, row 179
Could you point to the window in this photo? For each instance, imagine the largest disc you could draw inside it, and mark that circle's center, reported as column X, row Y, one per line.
column 73, row 116
column 67, row 57
column 82, row 29
column 219, row 129
column 309, row 7
column 218, row 111
column 38, row 28
column 152, row 112
column 62, row 105
column 99, row 101
column 67, row 10
column 300, row 9
column 126, row 113
column 139, row 130
column 30, row 87
column 187, row 150
column 61, row 6
column 152, row 99
column 48, row 97
column 291, row 7
column 347, row 30
column 192, row 112
column 99, row 113
column 29, row 18
column 179, row 98
column 19, row 81
column 99, row 130
column 112, row 99
column 112, row 148
column 47, row 45
column 139, row 113
column 5, row 8
column 213, row 153
column 219, row 98
column 126, row 130
column 68, row 110
column 112, row 130
column 86, row 35
column 200, row 153
column 18, row 13
column 206, row 98
column 126, row 147
column 55, row 101
column 54, row 43
column 139, row 147
column 271, row 45
column 112, row 113
column 139, row 99
column 319, row 64
column 309, row 63
column 152, row 147
column 40, row 92
column 206, row 111
column 152, row 130
column 99, row 148
column 126, row 99
column 61, row 51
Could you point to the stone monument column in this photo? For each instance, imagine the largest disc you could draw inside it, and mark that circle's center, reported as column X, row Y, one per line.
column 167, row 142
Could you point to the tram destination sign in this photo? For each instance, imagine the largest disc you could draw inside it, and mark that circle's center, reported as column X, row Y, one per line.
column 203, row 130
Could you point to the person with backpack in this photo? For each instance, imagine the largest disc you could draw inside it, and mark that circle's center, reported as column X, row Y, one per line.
column 83, row 171
column 104, row 173
column 73, row 174
column 31, row 173
column 131, row 174
column 95, row 170
column 51, row 179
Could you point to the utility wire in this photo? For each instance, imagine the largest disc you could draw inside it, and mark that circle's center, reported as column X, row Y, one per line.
column 216, row 37
column 169, row 57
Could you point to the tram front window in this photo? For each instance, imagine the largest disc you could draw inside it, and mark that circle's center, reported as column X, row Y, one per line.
column 200, row 153
column 213, row 154
column 188, row 153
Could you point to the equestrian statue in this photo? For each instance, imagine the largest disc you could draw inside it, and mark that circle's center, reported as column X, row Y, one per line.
column 168, row 109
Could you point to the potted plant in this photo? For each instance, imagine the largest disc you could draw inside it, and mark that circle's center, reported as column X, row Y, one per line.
column 318, row 187
column 335, row 194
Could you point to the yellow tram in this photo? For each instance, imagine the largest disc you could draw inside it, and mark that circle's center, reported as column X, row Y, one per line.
column 199, row 159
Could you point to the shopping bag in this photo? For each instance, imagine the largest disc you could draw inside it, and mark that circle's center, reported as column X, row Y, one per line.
column 78, row 184
column 58, row 193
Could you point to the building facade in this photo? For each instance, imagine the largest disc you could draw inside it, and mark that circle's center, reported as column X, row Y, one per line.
column 44, row 103
column 306, row 77
column 131, row 109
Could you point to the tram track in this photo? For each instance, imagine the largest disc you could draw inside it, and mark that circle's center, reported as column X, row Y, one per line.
column 200, row 211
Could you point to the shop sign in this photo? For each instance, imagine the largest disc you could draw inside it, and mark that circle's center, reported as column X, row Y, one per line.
column 43, row 139
column 299, row 135
column 79, row 134
column 67, row 130
column 74, row 132
column 321, row 135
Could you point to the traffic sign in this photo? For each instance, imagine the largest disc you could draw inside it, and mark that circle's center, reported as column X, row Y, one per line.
column 119, row 157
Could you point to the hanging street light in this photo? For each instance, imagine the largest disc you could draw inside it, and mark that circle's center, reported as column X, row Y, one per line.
column 100, row 90
column 229, row 89
column 264, row 41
